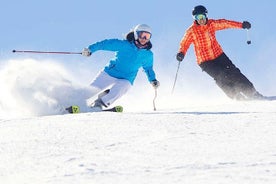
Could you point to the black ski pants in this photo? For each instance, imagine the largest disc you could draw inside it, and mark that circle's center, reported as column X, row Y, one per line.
column 229, row 78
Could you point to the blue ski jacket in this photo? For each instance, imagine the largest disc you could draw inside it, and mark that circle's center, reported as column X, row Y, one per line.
column 128, row 59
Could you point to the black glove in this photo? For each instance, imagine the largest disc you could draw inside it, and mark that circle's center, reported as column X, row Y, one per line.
column 179, row 56
column 246, row 25
column 155, row 83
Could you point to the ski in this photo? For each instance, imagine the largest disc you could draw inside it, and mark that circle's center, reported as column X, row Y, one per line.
column 74, row 109
column 117, row 108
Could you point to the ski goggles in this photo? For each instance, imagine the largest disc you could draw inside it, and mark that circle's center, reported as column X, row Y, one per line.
column 144, row 35
column 200, row 17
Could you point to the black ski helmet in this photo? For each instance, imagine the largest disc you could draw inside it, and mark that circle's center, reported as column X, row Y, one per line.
column 199, row 10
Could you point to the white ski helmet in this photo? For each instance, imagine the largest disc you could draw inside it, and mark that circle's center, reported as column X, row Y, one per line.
column 139, row 28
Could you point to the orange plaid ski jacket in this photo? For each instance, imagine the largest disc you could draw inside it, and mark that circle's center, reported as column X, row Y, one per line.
column 203, row 37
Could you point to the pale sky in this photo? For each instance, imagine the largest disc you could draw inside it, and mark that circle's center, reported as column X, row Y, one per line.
column 71, row 24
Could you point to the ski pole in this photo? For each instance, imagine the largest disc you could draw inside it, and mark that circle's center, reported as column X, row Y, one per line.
column 155, row 96
column 44, row 52
column 248, row 41
column 175, row 76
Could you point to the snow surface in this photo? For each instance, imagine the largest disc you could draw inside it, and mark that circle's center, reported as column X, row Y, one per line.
column 185, row 141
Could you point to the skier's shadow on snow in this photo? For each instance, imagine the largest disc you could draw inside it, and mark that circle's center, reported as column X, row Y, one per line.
column 208, row 112
column 202, row 112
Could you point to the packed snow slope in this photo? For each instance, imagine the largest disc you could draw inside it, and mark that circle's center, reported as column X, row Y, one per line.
column 235, row 144
column 191, row 138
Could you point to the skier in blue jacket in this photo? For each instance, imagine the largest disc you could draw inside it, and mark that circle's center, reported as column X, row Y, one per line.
column 118, row 76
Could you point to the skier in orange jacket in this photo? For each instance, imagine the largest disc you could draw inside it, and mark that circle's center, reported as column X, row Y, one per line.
column 211, row 58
